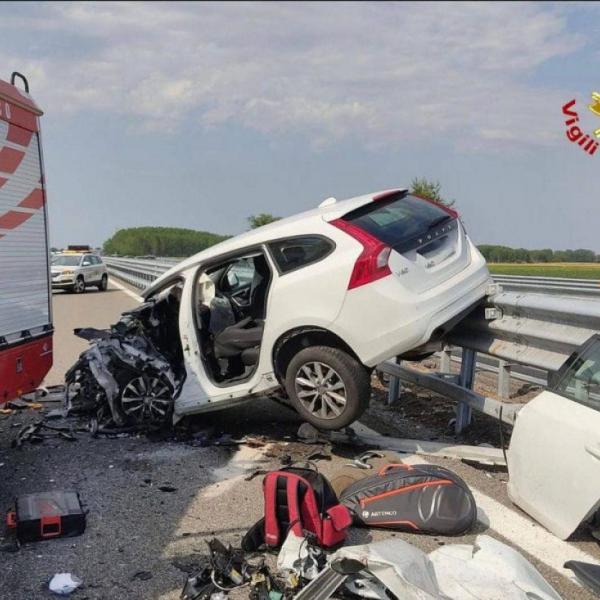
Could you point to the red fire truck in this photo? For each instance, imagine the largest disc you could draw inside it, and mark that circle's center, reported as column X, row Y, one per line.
column 25, row 292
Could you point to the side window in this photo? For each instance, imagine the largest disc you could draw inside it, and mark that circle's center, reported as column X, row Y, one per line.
column 87, row 261
column 581, row 381
column 297, row 252
column 98, row 260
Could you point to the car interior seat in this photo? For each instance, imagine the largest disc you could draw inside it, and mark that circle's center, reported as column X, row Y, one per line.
column 240, row 339
column 259, row 288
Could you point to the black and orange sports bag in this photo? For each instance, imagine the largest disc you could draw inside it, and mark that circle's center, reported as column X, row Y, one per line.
column 416, row 498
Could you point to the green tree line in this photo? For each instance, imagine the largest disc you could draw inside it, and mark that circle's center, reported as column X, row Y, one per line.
column 506, row 254
column 160, row 241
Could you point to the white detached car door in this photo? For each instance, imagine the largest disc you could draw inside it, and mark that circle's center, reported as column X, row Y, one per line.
column 554, row 454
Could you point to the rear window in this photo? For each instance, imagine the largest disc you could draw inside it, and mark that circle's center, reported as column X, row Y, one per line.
column 297, row 252
column 401, row 221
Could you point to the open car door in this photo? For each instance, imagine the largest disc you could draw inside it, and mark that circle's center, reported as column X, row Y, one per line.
column 554, row 454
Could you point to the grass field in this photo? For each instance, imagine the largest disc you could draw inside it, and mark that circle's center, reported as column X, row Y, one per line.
column 570, row 270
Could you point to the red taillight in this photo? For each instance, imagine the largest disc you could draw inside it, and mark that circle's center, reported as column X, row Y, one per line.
column 372, row 264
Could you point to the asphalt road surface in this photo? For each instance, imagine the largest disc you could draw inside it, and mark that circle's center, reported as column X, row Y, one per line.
column 141, row 542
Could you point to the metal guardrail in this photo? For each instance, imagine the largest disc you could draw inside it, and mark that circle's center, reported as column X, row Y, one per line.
column 534, row 321
column 533, row 329
column 549, row 285
column 527, row 328
column 138, row 272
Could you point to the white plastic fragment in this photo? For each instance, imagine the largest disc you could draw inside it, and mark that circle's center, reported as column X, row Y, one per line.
column 64, row 584
column 487, row 570
column 293, row 549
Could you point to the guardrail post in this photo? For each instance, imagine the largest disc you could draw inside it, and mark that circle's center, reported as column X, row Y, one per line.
column 394, row 388
column 504, row 379
column 465, row 379
column 446, row 355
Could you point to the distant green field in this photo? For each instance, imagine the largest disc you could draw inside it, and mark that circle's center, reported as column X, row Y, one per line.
column 571, row 270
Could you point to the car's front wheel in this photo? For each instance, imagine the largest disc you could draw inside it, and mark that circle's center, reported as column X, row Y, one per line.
column 329, row 388
column 79, row 285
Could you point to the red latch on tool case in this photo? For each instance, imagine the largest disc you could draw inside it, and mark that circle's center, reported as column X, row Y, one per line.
column 50, row 526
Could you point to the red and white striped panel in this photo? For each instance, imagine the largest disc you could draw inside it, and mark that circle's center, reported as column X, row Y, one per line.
column 23, row 246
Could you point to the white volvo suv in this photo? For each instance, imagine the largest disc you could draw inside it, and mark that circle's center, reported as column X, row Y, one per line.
column 313, row 302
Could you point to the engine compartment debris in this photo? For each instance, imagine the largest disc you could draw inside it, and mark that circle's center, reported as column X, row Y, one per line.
column 133, row 372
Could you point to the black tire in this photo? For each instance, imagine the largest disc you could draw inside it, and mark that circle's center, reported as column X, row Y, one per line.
column 103, row 285
column 320, row 408
column 79, row 286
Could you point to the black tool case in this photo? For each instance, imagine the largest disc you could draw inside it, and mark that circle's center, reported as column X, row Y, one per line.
column 47, row 515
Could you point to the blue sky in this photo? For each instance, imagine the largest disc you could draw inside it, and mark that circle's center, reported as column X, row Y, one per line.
column 199, row 115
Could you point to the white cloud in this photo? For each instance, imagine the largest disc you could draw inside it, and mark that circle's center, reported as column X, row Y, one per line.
column 381, row 73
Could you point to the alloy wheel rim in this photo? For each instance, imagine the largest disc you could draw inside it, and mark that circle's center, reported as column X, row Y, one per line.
column 79, row 285
column 320, row 390
column 146, row 399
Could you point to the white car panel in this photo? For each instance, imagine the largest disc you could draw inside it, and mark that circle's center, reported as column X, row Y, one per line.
column 553, row 434
column 383, row 319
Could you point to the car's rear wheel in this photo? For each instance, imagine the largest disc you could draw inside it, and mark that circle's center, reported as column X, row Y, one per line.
column 79, row 285
column 103, row 286
column 329, row 388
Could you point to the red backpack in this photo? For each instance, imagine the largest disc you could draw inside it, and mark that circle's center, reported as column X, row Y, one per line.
column 299, row 500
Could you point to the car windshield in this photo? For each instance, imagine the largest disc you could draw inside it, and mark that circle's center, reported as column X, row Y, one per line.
column 397, row 221
column 66, row 260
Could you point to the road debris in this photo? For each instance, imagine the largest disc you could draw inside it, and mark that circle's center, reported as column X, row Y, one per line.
column 36, row 433
column 64, row 584
column 481, row 571
column 478, row 454
column 142, row 576
column 587, row 574
column 167, row 488
column 47, row 515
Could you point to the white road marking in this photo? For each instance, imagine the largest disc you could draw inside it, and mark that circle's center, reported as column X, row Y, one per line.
column 125, row 290
column 514, row 527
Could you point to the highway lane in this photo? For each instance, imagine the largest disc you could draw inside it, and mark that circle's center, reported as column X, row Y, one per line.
column 135, row 527
column 91, row 309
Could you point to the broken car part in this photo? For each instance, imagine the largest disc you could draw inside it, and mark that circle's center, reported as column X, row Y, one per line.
column 225, row 569
column 132, row 372
column 556, row 439
column 479, row 454
column 481, row 570
column 586, row 573
column 486, row 570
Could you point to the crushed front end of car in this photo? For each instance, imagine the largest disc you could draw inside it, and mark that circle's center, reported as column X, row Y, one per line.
column 132, row 373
